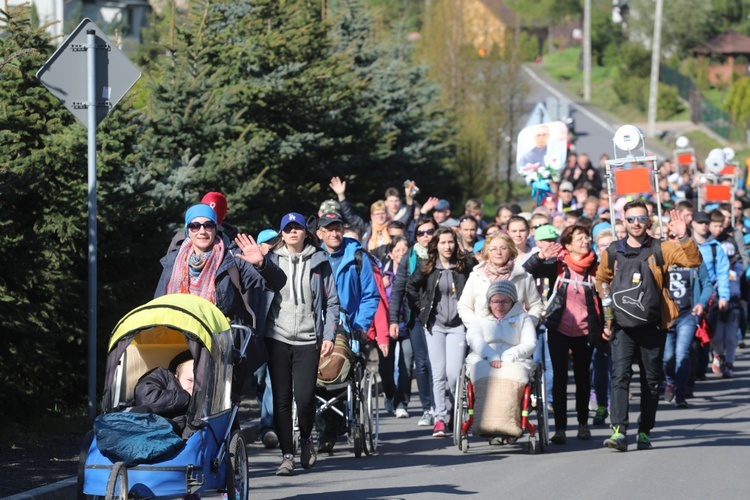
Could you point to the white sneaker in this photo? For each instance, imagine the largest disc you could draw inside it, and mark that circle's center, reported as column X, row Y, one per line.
column 402, row 413
column 427, row 420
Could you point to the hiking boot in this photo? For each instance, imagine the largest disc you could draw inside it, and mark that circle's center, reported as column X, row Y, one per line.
column 402, row 413
column 287, row 466
column 270, row 439
column 583, row 432
column 427, row 420
column 601, row 415
column 680, row 402
column 326, row 446
column 617, row 441
column 309, row 456
column 728, row 371
column 718, row 364
column 438, row 430
column 644, row 441
column 559, row 437
column 668, row 392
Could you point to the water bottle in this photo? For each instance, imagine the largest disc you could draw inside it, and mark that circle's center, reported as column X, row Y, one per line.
column 607, row 304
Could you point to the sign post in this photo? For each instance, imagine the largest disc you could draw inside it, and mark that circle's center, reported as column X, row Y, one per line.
column 89, row 87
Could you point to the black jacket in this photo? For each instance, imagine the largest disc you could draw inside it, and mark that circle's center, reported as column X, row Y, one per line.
column 420, row 289
column 158, row 391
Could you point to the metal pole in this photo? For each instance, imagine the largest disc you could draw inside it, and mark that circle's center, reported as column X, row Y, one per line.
column 653, row 92
column 91, row 67
column 587, row 50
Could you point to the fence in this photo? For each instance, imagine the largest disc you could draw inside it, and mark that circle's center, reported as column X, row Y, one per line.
column 701, row 110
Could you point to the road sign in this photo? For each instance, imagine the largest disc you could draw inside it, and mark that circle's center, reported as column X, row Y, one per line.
column 65, row 74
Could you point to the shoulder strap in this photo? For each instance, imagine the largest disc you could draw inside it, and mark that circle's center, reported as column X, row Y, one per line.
column 658, row 254
column 358, row 260
column 612, row 255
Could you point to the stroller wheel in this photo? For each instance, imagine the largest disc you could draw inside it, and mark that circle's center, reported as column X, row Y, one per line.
column 117, row 486
column 237, row 468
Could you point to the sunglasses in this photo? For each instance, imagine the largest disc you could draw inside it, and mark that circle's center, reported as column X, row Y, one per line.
column 501, row 302
column 209, row 225
column 538, row 226
column 428, row 232
column 640, row 218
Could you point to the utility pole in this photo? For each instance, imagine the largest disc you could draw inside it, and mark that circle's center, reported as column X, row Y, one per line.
column 587, row 50
column 653, row 92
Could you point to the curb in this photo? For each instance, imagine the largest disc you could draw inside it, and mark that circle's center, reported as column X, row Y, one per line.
column 66, row 489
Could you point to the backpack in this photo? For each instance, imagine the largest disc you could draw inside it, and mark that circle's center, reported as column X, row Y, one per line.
column 381, row 322
column 636, row 298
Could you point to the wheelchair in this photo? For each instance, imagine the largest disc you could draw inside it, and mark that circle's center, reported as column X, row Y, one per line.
column 533, row 400
column 356, row 400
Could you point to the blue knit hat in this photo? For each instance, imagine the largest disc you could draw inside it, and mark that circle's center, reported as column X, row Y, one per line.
column 199, row 210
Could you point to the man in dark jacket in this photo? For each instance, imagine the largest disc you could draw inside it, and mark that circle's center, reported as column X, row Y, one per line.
column 167, row 392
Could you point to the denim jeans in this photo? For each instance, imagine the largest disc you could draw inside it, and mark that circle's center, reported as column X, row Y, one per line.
column 677, row 352
column 266, row 409
column 421, row 365
column 724, row 342
column 404, row 370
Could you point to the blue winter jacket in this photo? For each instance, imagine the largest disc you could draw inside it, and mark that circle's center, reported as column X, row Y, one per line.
column 718, row 269
column 358, row 292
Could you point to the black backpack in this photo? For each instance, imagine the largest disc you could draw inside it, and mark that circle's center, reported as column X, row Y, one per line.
column 636, row 298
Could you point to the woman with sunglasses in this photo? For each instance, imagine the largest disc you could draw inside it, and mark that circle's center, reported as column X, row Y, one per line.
column 201, row 265
column 425, row 231
column 498, row 263
column 573, row 325
column 433, row 292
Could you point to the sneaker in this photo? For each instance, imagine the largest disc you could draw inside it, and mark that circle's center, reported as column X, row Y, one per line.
column 617, row 441
column 601, row 415
column 644, row 441
column 402, row 413
column 427, row 420
column 592, row 401
column 287, row 466
column 438, row 430
column 680, row 402
column 668, row 392
column 583, row 432
column 308, row 457
column 326, row 446
column 389, row 406
column 559, row 437
column 717, row 365
column 728, row 371
column 270, row 439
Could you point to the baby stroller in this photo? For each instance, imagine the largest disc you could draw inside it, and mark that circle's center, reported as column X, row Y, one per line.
column 532, row 400
column 213, row 455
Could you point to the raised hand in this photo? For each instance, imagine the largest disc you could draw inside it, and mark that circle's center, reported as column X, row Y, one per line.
column 339, row 187
column 677, row 224
column 250, row 249
column 428, row 205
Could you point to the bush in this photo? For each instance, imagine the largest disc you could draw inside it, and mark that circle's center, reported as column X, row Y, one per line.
column 635, row 60
column 669, row 102
column 633, row 91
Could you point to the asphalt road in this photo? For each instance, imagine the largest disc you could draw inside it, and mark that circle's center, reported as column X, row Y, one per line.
column 699, row 452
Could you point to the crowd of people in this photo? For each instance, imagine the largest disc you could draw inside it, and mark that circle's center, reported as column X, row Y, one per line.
column 431, row 288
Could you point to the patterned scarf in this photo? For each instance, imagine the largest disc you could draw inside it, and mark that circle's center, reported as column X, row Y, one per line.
column 196, row 273
column 379, row 236
column 494, row 273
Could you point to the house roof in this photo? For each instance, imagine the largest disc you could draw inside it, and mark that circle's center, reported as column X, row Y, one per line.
column 729, row 42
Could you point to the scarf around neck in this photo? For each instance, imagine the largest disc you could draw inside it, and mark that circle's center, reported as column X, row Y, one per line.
column 379, row 236
column 494, row 273
column 579, row 266
column 196, row 273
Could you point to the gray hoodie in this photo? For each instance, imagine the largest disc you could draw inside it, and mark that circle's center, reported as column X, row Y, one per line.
column 292, row 312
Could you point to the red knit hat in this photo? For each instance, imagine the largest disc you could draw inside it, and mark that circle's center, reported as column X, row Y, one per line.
column 218, row 202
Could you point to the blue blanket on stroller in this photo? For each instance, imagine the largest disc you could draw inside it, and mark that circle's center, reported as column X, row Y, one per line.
column 136, row 438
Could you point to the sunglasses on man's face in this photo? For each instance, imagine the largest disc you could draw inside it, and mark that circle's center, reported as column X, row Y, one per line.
column 209, row 225
column 428, row 232
column 640, row 218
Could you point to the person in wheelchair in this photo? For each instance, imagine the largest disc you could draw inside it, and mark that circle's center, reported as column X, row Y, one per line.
column 502, row 341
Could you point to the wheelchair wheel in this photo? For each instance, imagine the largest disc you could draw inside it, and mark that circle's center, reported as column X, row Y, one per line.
column 369, row 413
column 460, row 408
column 117, row 485
column 237, row 468
column 356, row 425
column 295, row 428
column 542, row 417
column 534, row 446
